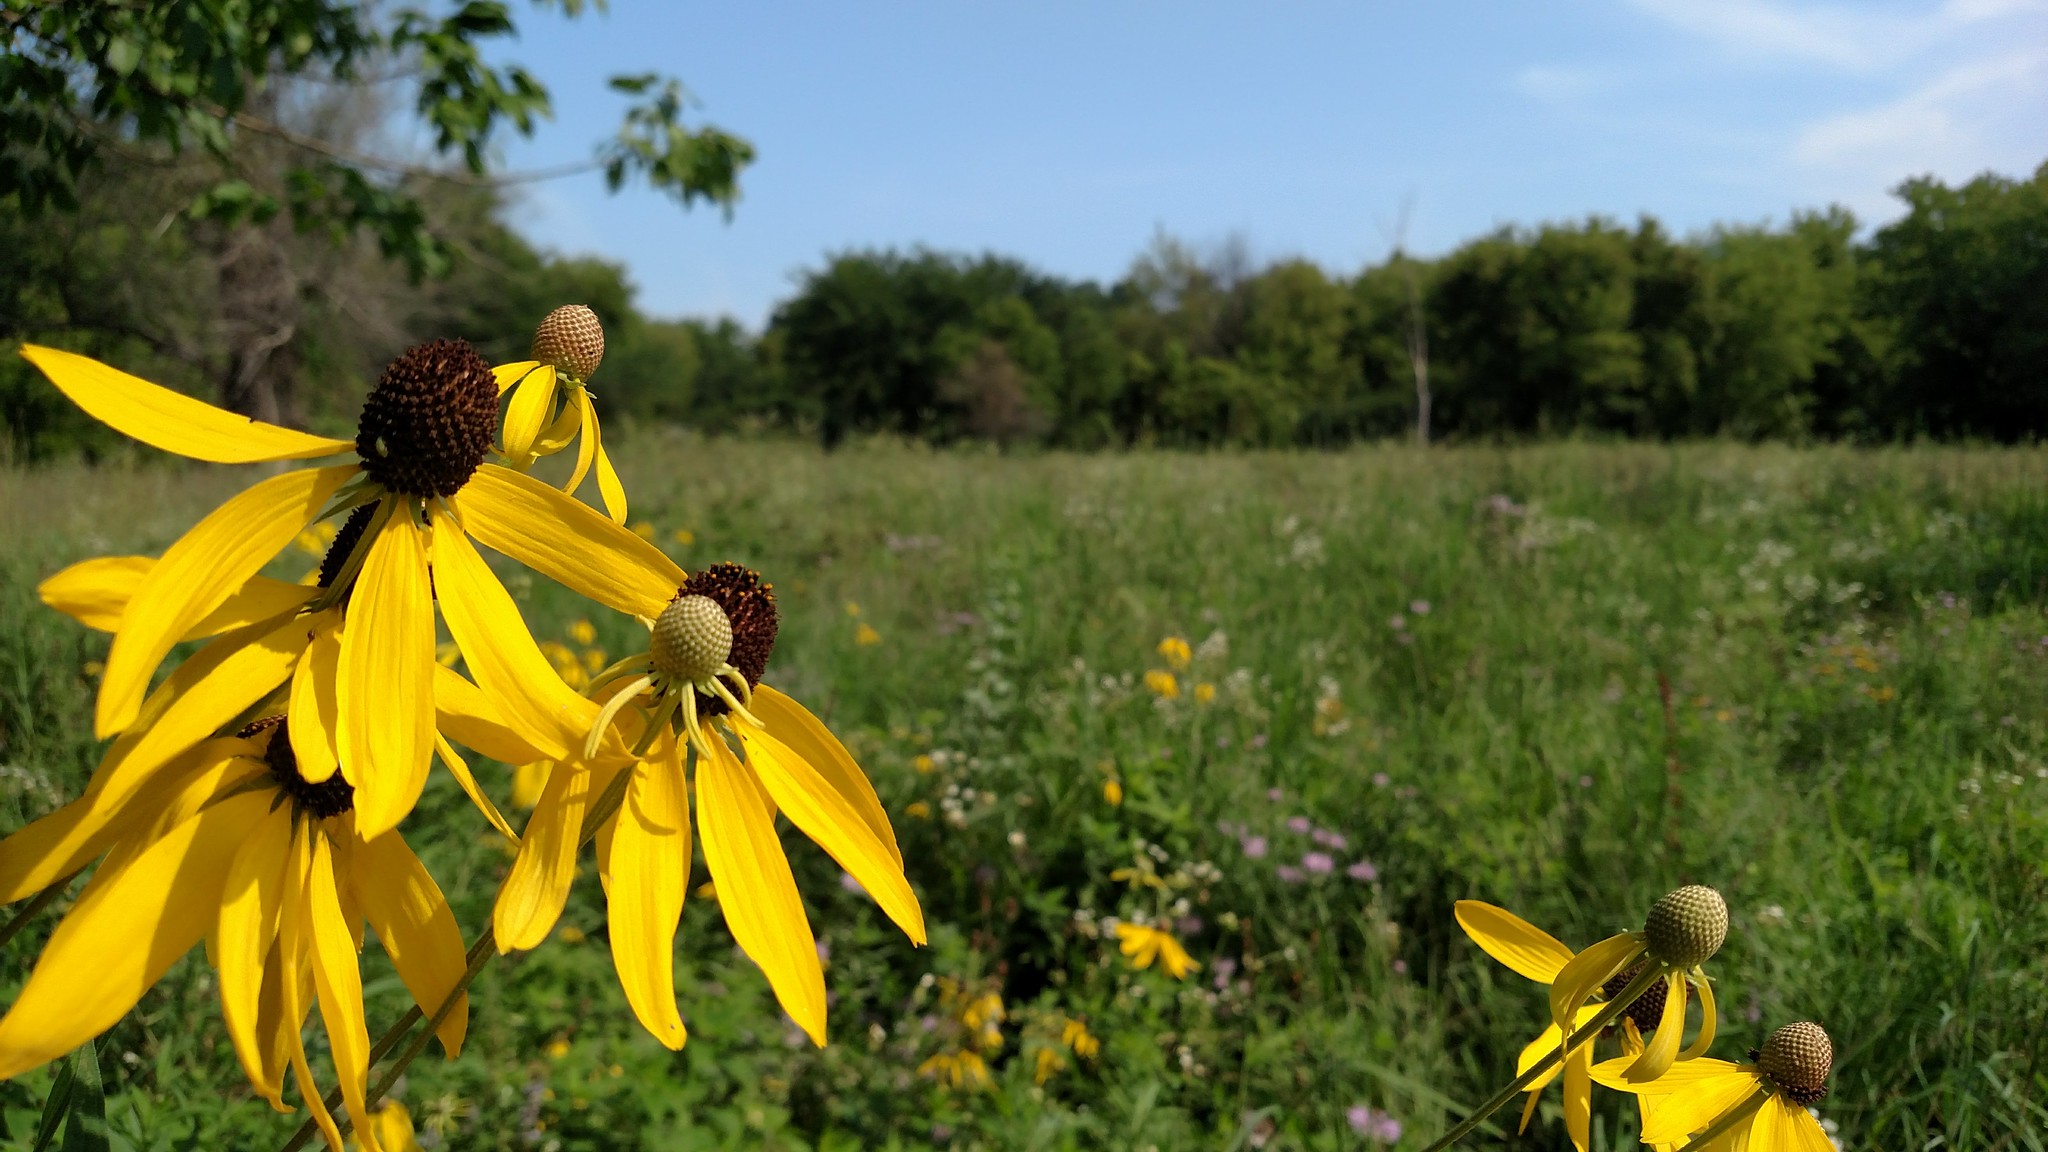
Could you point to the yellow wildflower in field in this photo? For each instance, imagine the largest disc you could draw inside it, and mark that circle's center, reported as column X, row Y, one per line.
column 697, row 690
column 918, row 810
column 1113, row 793
column 1205, row 692
column 1162, row 683
column 1176, row 653
column 963, row 1069
column 866, row 636
column 1536, row 954
column 1720, row 1106
column 1144, row 945
column 392, row 1130
column 567, row 348
column 1683, row 930
column 421, row 486
column 241, row 849
column 1075, row 1035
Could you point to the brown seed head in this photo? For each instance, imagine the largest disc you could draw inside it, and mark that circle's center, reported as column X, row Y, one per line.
column 1686, row 927
column 1648, row 1009
column 572, row 340
column 429, row 421
column 330, row 797
column 1797, row 1058
column 749, row 604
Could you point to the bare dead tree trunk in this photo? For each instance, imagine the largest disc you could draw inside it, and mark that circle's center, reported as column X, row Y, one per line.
column 261, row 310
column 1418, row 352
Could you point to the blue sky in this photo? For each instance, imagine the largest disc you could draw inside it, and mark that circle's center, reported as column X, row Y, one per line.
column 1069, row 133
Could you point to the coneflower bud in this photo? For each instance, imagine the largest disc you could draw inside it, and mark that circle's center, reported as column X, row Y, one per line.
column 572, row 340
column 1686, row 927
column 749, row 603
column 1797, row 1058
column 692, row 638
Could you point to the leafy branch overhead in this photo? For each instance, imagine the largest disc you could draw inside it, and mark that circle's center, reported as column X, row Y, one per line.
column 157, row 81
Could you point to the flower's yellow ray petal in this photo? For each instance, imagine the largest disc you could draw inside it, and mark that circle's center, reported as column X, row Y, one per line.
column 468, row 717
column 1799, row 1131
column 408, row 913
column 295, row 946
column 245, row 935
column 1537, row 1050
column 386, row 678
column 524, row 689
column 170, row 420
column 459, row 768
column 565, row 541
column 1578, row 1096
column 128, row 927
column 756, row 891
column 1662, row 1048
column 647, row 868
column 1767, row 1128
column 1709, row 1022
column 339, row 984
column 273, row 1051
column 531, row 899
column 1529, row 1109
column 1587, row 972
column 822, row 813
column 315, row 708
column 807, row 736
column 509, row 374
column 96, row 592
column 586, row 451
column 197, row 574
column 609, row 489
column 525, row 413
column 568, row 422
column 209, row 690
column 1176, row 959
column 1513, row 941
column 1684, row 1077
column 59, row 844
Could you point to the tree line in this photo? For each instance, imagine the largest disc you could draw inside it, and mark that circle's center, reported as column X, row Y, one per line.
column 1934, row 325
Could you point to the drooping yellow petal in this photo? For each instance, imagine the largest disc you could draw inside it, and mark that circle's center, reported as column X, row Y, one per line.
column 227, row 769
column 339, row 984
column 807, row 736
column 525, row 413
column 197, row 574
column 647, row 868
column 273, row 1051
column 96, row 592
column 1578, row 1096
column 756, row 891
column 509, row 374
column 245, row 935
column 170, row 420
column 531, row 899
column 408, row 913
column 527, row 782
column 1798, row 1131
column 59, row 844
column 1689, row 1097
column 586, row 451
column 1662, row 1048
column 459, row 768
column 609, row 489
column 1588, row 971
column 1767, row 1129
column 295, row 948
column 1709, row 1021
column 823, row 813
column 1513, row 941
column 524, row 689
column 565, row 541
column 129, row 925
column 315, row 703
column 463, row 712
column 1537, row 1050
column 386, row 679
column 205, row 693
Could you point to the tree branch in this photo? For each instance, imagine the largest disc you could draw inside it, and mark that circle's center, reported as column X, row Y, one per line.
column 253, row 123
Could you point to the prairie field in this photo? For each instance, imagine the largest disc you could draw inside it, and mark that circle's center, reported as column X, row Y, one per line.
column 1289, row 706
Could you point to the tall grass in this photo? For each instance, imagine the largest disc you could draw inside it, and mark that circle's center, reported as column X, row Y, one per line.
column 1563, row 679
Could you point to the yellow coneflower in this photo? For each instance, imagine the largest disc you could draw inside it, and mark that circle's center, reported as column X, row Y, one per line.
column 424, row 432
column 550, row 403
column 1538, row 955
column 1145, row 944
column 697, row 689
column 1718, row 1106
column 242, row 848
column 1176, row 653
column 1683, row 930
column 1162, row 683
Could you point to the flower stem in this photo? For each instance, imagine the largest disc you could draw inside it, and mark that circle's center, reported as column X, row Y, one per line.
column 480, row 953
column 1608, row 1013
column 1729, row 1119
column 44, row 899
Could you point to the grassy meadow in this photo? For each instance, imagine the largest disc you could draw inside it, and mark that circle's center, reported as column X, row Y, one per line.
column 1564, row 679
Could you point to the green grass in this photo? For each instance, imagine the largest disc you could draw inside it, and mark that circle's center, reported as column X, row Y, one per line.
column 1855, row 753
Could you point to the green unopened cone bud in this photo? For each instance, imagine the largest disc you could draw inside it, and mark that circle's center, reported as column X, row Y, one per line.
column 692, row 640
column 1797, row 1058
column 570, row 339
column 1687, row 927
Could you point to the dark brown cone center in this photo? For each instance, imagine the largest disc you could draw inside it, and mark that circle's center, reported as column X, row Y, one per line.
column 749, row 602
column 430, row 420
column 330, row 797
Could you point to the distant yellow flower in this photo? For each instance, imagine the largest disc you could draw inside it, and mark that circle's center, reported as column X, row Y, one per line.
column 1144, row 945
column 956, row 1069
column 683, row 537
column 571, row 934
column 583, row 632
column 1048, row 1064
column 1176, row 653
column 567, row 347
column 1205, row 692
column 1162, row 683
column 391, row 1129
column 852, row 609
column 865, row 635
column 1760, row 1106
column 558, row 1048
column 924, row 764
column 918, row 810
column 643, row 530
column 1113, row 793
column 1076, row 1036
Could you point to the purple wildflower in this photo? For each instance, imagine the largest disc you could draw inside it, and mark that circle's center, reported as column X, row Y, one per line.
column 1254, row 847
column 1329, row 839
column 1318, row 863
column 1381, row 779
column 1289, row 873
column 1364, row 871
column 1298, row 824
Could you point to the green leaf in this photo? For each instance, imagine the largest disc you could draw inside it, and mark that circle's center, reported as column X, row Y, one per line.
column 53, row 1109
column 87, row 1129
column 123, row 55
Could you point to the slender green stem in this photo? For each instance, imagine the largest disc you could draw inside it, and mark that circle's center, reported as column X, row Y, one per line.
column 1729, row 1119
column 1608, row 1013
column 480, row 953
column 43, row 899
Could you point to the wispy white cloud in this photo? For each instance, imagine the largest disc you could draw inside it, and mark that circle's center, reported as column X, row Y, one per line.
column 1864, row 38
